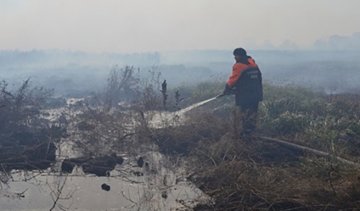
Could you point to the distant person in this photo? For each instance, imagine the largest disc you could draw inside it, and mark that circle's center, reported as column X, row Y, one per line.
column 245, row 82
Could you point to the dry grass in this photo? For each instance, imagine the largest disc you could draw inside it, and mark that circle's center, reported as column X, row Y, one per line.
column 249, row 174
column 240, row 176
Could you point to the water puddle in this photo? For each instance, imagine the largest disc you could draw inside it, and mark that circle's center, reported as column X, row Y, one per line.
column 149, row 183
column 153, row 186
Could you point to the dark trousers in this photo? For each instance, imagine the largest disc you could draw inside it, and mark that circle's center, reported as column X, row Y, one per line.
column 248, row 115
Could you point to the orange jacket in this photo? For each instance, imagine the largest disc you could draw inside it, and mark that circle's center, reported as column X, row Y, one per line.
column 238, row 69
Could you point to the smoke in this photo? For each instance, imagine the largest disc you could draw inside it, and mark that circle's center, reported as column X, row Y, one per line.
column 337, row 42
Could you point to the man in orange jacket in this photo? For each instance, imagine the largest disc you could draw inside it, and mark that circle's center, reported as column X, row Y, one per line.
column 246, row 83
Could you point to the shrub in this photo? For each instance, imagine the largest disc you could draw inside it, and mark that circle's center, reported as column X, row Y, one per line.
column 27, row 141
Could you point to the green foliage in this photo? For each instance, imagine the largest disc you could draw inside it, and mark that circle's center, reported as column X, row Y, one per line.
column 278, row 100
column 354, row 129
column 289, row 123
column 289, row 110
column 207, row 90
column 330, row 123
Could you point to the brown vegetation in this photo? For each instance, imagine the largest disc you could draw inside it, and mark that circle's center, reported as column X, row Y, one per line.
column 250, row 174
column 238, row 173
column 27, row 141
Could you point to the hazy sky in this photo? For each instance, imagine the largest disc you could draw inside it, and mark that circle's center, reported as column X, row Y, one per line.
column 158, row 25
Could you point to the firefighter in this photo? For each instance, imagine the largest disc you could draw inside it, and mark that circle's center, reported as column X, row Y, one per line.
column 245, row 82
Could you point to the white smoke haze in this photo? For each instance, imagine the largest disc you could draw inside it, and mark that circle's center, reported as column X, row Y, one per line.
column 72, row 45
column 337, row 42
column 67, row 44
column 162, row 25
column 70, row 72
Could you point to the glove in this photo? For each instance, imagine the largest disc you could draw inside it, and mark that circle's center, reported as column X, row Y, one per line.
column 227, row 90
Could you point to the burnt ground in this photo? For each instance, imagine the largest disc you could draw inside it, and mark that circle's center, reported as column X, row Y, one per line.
column 100, row 166
column 29, row 149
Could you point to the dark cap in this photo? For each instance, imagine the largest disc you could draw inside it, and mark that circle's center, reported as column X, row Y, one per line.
column 239, row 52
